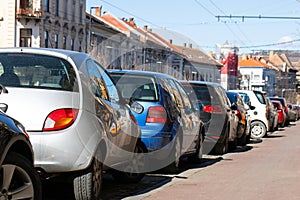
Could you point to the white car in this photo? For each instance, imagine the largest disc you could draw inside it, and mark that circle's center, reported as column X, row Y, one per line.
column 258, row 113
column 78, row 124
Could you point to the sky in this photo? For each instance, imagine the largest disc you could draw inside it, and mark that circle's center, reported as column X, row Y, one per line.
column 197, row 21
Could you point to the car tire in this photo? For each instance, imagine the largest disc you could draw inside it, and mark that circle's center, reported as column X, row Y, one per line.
column 258, row 130
column 197, row 157
column 88, row 186
column 24, row 180
column 175, row 156
column 243, row 140
column 138, row 162
column 222, row 148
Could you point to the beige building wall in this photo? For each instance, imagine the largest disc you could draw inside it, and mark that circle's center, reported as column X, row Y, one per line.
column 7, row 23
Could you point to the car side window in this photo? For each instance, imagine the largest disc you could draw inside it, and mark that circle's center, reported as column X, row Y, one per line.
column 110, row 86
column 175, row 93
column 260, row 97
column 185, row 97
column 96, row 81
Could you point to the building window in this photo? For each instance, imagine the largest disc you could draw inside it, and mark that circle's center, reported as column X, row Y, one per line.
column 80, row 13
column 64, row 42
column 80, row 46
column 46, row 8
column 46, row 38
column 72, row 44
column 66, row 9
column 74, row 11
column 26, row 5
column 25, row 37
column 256, row 77
column 56, row 41
column 57, row 8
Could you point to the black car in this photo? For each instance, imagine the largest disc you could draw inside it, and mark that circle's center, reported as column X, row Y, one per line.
column 18, row 177
column 217, row 114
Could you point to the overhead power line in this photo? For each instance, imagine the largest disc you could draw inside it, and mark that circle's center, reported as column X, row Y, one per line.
column 253, row 17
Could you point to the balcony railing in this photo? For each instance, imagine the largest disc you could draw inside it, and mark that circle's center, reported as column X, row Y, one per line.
column 29, row 13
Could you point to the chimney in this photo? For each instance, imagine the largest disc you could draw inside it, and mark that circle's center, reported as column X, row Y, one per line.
column 131, row 22
column 271, row 55
column 184, row 45
column 171, row 41
column 145, row 27
column 191, row 45
column 98, row 11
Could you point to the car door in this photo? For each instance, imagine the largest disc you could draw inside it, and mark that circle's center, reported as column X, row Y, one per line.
column 127, row 129
column 186, row 116
column 112, row 114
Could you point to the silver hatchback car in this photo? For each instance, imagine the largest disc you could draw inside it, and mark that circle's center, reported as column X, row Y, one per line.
column 74, row 115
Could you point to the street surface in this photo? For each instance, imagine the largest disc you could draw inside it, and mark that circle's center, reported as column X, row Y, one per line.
column 267, row 169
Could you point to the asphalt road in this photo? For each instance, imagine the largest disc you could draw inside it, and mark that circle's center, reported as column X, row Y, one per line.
column 267, row 169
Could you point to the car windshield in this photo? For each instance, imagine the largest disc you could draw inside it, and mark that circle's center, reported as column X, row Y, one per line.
column 36, row 71
column 138, row 87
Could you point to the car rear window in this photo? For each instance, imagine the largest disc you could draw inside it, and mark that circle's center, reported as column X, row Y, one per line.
column 36, row 71
column 138, row 87
column 206, row 94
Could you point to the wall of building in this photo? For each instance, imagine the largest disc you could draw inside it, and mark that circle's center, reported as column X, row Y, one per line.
column 7, row 23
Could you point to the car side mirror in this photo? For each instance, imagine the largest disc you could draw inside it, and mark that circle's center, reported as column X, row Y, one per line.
column 234, row 106
column 3, row 89
column 3, row 107
column 252, row 107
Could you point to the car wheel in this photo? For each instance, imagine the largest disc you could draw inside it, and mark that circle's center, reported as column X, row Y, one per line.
column 222, row 148
column 20, row 180
column 175, row 156
column 137, row 164
column 89, row 185
column 243, row 140
column 199, row 152
column 258, row 130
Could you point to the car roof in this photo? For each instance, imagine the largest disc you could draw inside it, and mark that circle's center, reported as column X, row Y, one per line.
column 201, row 83
column 137, row 72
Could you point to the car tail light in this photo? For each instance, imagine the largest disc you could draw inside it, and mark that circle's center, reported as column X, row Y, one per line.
column 286, row 109
column 60, row 119
column 212, row 109
column 157, row 114
column 133, row 119
column 238, row 114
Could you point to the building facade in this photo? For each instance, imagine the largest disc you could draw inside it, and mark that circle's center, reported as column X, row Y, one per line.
column 43, row 23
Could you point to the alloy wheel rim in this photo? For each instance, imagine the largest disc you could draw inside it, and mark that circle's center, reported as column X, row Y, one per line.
column 16, row 183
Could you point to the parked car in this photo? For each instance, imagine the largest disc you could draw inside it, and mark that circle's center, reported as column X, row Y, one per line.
column 243, row 132
column 77, row 121
column 217, row 113
column 280, row 112
column 285, row 108
column 171, row 127
column 272, row 115
column 19, row 178
column 293, row 114
column 296, row 107
column 259, row 119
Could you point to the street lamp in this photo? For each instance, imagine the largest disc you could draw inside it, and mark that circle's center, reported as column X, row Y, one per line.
column 90, row 29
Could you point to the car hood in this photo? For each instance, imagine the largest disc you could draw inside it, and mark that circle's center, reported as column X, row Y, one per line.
column 31, row 106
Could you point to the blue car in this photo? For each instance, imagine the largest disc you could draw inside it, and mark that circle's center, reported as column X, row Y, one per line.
column 170, row 125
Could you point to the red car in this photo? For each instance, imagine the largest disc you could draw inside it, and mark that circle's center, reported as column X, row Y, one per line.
column 281, row 112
